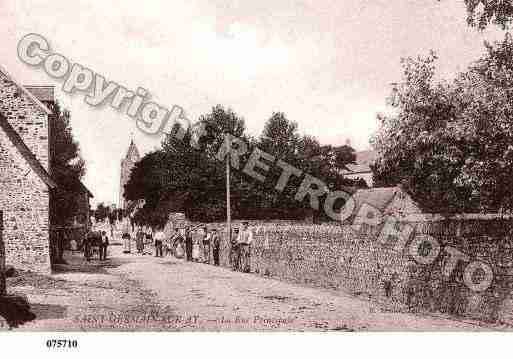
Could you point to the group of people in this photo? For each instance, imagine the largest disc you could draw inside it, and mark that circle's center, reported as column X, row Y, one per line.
column 142, row 238
column 195, row 244
column 198, row 244
column 96, row 241
column 240, row 249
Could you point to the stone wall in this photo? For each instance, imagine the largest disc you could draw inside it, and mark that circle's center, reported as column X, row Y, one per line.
column 29, row 121
column 338, row 257
column 24, row 197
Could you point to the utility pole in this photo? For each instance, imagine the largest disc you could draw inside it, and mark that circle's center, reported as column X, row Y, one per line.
column 228, row 205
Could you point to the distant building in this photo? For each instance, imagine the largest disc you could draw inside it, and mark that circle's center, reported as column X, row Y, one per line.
column 82, row 217
column 388, row 201
column 127, row 164
column 361, row 169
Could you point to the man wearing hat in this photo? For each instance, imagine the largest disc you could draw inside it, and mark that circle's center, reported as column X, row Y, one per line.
column 234, row 250
column 216, row 245
column 244, row 240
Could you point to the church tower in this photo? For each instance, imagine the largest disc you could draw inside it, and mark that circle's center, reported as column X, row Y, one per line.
column 127, row 164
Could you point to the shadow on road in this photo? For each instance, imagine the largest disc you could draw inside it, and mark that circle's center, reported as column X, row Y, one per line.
column 48, row 311
column 76, row 263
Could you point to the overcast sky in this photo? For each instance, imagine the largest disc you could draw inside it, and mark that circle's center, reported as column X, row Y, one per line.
column 327, row 64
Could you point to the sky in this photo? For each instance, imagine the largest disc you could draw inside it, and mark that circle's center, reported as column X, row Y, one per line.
column 327, row 64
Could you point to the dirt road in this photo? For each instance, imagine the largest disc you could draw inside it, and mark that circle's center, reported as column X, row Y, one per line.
column 130, row 291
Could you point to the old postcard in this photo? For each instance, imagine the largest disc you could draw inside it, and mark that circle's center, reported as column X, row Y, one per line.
column 256, row 166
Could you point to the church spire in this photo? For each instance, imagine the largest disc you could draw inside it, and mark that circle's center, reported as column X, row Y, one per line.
column 133, row 152
column 127, row 164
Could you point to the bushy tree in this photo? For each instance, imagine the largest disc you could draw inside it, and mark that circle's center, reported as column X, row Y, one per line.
column 185, row 178
column 451, row 143
column 66, row 165
column 481, row 13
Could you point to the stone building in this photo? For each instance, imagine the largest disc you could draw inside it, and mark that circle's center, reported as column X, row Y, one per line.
column 82, row 195
column 127, row 164
column 27, row 187
column 388, row 201
column 24, row 175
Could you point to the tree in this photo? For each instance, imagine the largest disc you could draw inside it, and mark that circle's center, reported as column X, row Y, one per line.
column 185, row 178
column 67, row 167
column 481, row 13
column 343, row 155
column 280, row 137
column 450, row 143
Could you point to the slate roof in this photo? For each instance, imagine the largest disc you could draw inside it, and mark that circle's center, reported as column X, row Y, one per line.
column 352, row 169
column 366, row 157
column 378, row 198
column 83, row 188
column 363, row 161
column 75, row 186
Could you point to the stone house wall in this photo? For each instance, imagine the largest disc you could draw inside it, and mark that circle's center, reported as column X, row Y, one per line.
column 24, row 197
column 29, row 121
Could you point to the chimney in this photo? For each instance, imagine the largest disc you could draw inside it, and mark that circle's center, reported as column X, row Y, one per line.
column 46, row 94
column 42, row 93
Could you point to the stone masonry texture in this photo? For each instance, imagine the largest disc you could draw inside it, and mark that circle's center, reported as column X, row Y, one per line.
column 24, row 197
column 356, row 262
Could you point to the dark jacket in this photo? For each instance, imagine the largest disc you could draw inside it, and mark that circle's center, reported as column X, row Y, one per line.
column 106, row 243
column 216, row 241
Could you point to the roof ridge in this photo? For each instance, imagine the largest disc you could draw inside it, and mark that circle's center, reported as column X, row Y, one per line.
column 41, row 105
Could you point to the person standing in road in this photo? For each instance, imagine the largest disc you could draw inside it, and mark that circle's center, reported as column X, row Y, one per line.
column 159, row 240
column 149, row 239
column 168, row 245
column 234, row 250
column 216, row 244
column 177, row 244
column 244, row 240
column 196, row 253
column 87, row 245
column 206, row 245
column 139, row 240
column 104, row 244
column 188, row 244
column 127, row 240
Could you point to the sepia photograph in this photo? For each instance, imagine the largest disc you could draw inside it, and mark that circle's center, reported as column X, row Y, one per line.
column 240, row 167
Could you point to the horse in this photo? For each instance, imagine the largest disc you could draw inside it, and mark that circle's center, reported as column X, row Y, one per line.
column 93, row 243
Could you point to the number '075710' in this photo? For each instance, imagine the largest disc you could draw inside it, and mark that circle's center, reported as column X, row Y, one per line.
column 61, row 343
